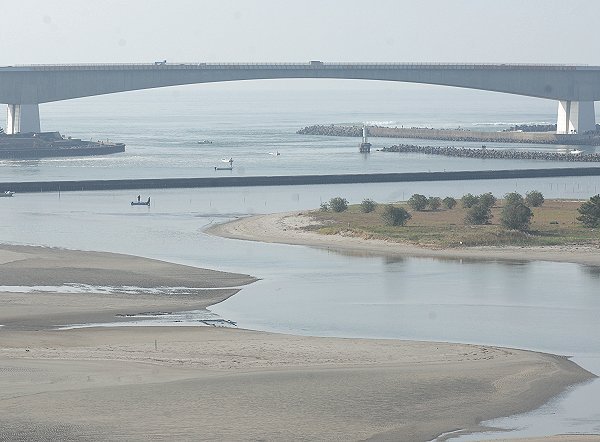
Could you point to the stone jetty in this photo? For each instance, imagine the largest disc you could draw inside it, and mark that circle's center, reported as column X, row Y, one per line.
column 504, row 154
column 332, row 130
column 461, row 135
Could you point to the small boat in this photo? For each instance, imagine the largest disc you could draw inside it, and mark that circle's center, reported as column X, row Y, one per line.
column 275, row 154
column 576, row 152
column 225, row 160
column 205, row 142
column 141, row 203
column 7, row 194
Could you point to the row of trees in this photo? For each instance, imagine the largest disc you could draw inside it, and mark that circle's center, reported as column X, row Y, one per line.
column 420, row 202
column 516, row 212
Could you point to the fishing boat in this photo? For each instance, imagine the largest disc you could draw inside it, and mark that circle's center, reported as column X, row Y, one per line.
column 204, row 142
column 228, row 161
column 141, row 203
column 7, row 194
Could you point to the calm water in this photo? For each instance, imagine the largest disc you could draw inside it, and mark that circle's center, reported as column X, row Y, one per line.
column 162, row 127
column 543, row 306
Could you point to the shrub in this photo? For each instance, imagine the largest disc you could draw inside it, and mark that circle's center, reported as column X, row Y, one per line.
column 449, row 202
column 417, row 202
column 434, row 202
column 513, row 198
column 367, row 205
column 516, row 216
column 478, row 214
column 590, row 212
column 487, row 199
column 469, row 200
column 395, row 216
column 534, row 198
column 338, row 204
column 324, row 207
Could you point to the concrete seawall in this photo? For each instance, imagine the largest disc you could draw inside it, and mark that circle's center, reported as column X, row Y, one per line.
column 454, row 135
column 293, row 180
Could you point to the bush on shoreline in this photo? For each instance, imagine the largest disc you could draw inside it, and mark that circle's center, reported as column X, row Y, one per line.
column 590, row 212
column 449, row 203
column 395, row 216
column 367, row 205
column 417, row 202
column 533, row 198
column 338, row 204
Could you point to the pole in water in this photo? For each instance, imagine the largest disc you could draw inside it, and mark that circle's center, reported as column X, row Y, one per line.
column 155, row 345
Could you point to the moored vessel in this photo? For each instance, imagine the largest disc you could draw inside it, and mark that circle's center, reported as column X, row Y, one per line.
column 35, row 145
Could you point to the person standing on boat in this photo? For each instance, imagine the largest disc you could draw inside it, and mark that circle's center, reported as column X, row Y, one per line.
column 139, row 197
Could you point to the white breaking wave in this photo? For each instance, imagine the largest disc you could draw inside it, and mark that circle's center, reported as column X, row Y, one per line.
column 86, row 288
column 195, row 318
column 382, row 123
column 506, row 123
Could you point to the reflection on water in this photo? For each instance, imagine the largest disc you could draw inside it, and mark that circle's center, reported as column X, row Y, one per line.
column 593, row 271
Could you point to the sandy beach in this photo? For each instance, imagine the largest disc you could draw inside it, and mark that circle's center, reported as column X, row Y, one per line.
column 286, row 228
column 208, row 383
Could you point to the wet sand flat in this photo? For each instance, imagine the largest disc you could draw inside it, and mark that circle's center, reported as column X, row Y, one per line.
column 207, row 383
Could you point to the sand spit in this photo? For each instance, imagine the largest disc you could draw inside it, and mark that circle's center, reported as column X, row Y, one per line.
column 286, row 228
column 204, row 383
column 44, row 266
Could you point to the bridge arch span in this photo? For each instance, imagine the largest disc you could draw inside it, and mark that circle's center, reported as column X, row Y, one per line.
column 23, row 88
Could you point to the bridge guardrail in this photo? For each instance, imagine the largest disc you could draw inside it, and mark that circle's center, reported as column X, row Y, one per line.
column 303, row 66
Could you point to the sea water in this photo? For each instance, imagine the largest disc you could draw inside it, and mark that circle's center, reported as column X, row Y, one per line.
column 536, row 305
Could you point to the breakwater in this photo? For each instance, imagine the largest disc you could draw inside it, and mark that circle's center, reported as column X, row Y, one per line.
column 292, row 180
column 504, row 154
column 453, row 135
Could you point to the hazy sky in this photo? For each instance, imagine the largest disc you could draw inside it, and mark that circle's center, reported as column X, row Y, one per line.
column 79, row 31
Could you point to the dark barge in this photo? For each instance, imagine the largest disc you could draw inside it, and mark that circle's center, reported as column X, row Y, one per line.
column 35, row 145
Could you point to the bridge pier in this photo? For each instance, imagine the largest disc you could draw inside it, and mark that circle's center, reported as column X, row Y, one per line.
column 22, row 118
column 575, row 117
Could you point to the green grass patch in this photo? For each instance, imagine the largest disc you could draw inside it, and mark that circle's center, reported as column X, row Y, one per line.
column 554, row 223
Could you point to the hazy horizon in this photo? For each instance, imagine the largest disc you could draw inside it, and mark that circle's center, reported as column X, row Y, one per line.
column 71, row 31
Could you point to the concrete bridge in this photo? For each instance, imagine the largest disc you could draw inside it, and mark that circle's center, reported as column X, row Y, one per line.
column 23, row 88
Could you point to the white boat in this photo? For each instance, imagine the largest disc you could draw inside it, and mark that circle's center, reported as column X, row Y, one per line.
column 205, row 142
column 7, row 194
column 225, row 160
column 275, row 154
column 576, row 152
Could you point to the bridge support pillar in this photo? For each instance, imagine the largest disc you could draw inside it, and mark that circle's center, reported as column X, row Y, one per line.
column 575, row 117
column 23, row 118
